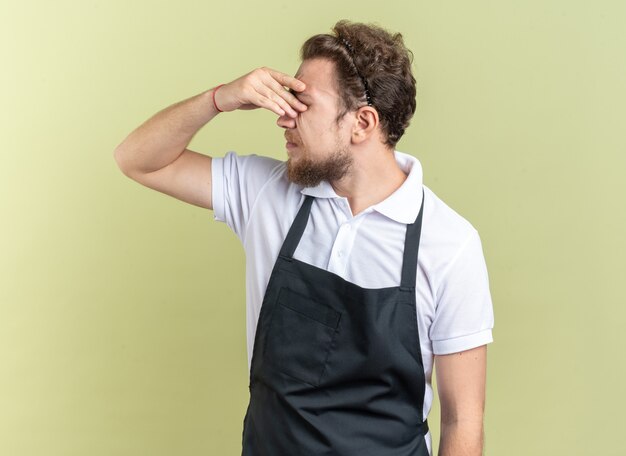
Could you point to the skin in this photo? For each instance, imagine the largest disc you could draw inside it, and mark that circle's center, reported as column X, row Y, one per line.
column 155, row 154
column 369, row 171
column 353, row 159
column 461, row 380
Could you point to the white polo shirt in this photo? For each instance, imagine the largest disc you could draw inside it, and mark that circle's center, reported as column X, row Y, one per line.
column 253, row 196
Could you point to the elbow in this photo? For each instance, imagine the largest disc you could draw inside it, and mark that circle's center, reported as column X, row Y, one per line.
column 118, row 156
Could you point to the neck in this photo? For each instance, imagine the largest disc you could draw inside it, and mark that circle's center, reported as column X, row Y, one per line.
column 374, row 176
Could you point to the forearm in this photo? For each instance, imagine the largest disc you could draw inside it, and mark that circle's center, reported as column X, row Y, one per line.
column 162, row 138
column 461, row 439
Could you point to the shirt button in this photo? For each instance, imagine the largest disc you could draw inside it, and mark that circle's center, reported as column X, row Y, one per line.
column 340, row 254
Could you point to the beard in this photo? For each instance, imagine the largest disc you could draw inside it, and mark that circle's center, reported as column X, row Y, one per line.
column 309, row 173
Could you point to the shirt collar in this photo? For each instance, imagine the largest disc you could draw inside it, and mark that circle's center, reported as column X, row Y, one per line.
column 403, row 205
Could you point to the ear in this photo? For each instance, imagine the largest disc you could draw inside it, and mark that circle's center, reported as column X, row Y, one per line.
column 365, row 125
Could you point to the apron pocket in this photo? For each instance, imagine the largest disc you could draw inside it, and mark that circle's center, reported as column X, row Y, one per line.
column 300, row 336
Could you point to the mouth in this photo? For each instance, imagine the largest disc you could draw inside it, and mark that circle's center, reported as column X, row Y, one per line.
column 290, row 145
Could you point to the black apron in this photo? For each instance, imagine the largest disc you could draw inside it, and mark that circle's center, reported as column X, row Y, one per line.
column 336, row 369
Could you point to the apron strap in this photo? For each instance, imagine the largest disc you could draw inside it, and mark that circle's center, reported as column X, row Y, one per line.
column 411, row 242
column 411, row 249
column 297, row 228
column 423, row 428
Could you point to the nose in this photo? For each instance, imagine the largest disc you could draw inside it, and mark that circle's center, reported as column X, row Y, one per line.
column 286, row 121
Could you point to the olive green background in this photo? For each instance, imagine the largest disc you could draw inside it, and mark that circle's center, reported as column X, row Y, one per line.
column 122, row 328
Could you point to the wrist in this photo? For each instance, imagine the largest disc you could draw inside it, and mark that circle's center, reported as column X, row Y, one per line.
column 213, row 92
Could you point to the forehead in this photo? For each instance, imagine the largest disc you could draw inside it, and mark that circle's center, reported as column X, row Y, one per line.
column 319, row 77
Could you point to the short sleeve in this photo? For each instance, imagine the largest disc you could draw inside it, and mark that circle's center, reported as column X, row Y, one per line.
column 464, row 311
column 236, row 182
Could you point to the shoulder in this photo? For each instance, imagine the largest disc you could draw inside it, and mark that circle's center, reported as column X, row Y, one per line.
column 446, row 236
column 443, row 224
column 252, row 164
column 265, row 180
column 459, row 280
column 241, row 183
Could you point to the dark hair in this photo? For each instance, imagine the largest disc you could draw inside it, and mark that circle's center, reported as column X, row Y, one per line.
column 384, row 63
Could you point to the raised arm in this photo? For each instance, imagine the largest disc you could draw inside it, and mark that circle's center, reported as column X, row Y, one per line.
column 461, row 381
column 155, row 154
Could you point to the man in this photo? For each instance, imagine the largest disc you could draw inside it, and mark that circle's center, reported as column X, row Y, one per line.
column 351, row 299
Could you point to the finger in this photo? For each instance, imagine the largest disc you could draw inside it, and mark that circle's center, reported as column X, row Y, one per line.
column 268, row 103
column 286, row 80
column 269, row 93
column 287, row 95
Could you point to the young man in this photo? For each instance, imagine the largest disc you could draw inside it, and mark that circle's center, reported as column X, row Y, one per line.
column 359, row 278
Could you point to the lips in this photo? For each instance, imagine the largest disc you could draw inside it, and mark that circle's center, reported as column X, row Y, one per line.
column 290, row 141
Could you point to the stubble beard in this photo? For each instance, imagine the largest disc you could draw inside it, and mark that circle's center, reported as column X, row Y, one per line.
column 310, row 173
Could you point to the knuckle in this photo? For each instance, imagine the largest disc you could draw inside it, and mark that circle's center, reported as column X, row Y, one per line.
column 253, row 74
